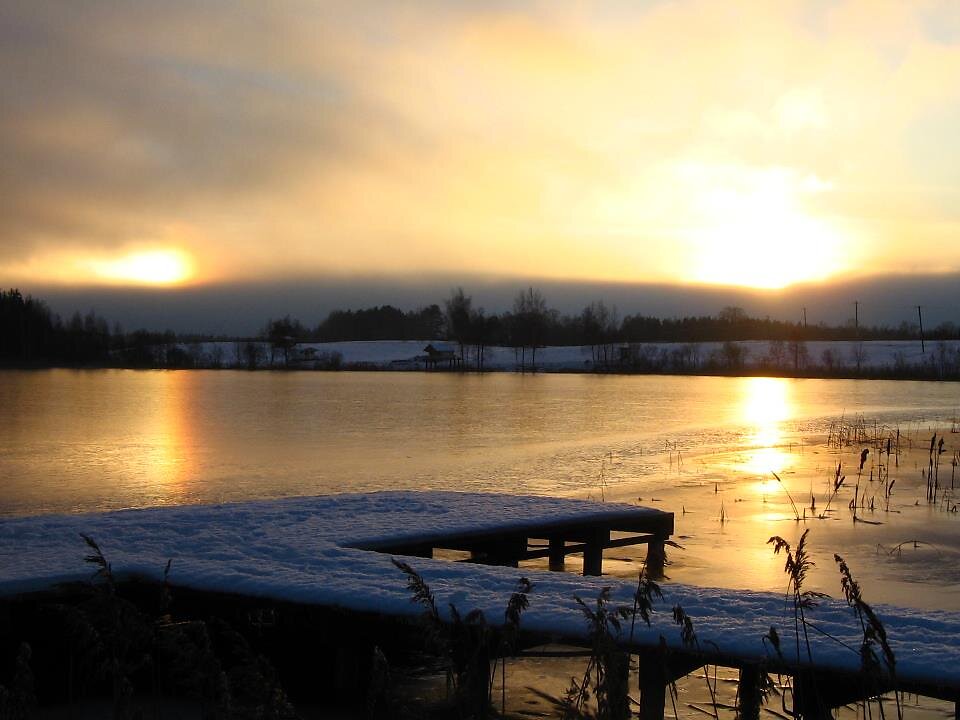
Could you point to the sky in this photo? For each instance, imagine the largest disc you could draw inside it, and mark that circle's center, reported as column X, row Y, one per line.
column 189, row 148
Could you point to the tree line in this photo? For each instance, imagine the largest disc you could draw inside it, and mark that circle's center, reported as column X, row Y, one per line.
column 30, row 333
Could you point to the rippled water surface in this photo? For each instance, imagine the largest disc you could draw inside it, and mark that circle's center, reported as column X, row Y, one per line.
column 86, row 440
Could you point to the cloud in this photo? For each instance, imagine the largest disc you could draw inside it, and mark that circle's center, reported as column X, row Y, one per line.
column 120, row 115
column 282, row 138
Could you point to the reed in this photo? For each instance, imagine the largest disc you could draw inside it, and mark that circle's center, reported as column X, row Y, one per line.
column 876, row 656
column 857, row 500
column 647, row 592
column 933, row 468
column 606, row 675
column 796, row 513
column 838, row 480
column 688, row 636
column 510, row 635
column 888, row 482
column 797, row 565
column 466, row 643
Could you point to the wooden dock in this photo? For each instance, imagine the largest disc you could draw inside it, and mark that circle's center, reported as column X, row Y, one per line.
column 331, row 558
column 554, row 539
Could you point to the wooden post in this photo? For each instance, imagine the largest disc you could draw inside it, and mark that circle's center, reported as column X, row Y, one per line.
column 807, row 701
column 656, row 556
column 750, row 677
column 653, row 692
column 618, row 666
column 593, row 554
column 480, row 682
column 346, row 677
column 558, row 555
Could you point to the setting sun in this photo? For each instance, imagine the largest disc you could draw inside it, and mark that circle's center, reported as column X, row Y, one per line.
column 758, row 234
column 152, row 267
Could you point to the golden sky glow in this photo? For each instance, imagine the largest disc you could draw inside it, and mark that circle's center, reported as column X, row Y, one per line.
column 149, row 267
column 753, row 143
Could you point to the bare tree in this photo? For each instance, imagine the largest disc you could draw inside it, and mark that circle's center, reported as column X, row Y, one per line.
column 610, row 321
column 249, row 353
column 592, row 331
column 776, row 354
column 829, row 359
column 530, row 318
column 480, row 331
column 858, row 354
column 283, row 335
column 798, row 351
column 730, row 355
column 458, row 311
column 732, row 314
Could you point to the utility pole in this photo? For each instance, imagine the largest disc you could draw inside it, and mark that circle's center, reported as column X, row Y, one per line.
column 920, row 315
column 856, row 318
column 804, row 318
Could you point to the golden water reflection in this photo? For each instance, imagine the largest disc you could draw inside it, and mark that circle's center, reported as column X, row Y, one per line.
column 766, row 407
column 168, row 459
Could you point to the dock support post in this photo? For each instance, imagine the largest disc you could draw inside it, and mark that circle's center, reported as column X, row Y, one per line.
column 558, row 555
column 347, row 675
column 618, row 665
column 750, row 678
column 656, row 556
column 807, row 701
column 593, row 554
column 653, row 693
column 480, row 683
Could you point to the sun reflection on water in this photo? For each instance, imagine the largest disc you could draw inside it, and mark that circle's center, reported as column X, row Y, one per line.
column 767, row 406
column 167, row 458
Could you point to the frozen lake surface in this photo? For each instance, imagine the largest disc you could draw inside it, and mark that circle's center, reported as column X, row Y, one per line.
column 704, row 448
column 109, row 439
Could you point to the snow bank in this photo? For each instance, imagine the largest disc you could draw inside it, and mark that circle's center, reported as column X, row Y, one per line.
column 296, row 550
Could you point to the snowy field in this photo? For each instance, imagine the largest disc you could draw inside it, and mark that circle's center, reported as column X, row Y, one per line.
column 295, row 550
column 408, row 354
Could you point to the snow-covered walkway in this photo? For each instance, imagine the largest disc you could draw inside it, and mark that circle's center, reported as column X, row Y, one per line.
column 298, row 550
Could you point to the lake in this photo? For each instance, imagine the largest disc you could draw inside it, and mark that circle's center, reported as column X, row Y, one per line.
column 703, row 447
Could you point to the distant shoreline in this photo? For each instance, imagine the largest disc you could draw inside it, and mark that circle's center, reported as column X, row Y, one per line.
column 879, row 360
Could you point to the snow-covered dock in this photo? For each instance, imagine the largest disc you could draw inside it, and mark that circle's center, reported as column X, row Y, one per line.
column 333, row 551
column 280, row 548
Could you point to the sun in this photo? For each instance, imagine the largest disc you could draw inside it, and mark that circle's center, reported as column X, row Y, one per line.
column 762, row 238
column 146, row 267
column 767, row 250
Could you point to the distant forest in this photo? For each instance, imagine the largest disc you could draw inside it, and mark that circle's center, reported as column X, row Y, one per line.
column 31, row 334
